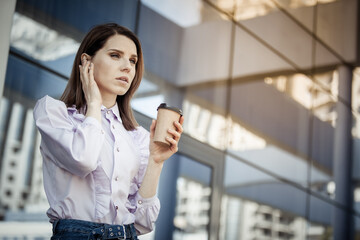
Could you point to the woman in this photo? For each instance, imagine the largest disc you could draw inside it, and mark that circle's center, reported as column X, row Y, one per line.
column 101, row 169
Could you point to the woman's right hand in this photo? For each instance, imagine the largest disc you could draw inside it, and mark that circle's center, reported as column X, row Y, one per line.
column 90, row 88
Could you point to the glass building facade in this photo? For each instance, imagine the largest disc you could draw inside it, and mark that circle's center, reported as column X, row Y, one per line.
column 270, row 91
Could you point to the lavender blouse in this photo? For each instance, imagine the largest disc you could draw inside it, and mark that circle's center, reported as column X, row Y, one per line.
column 93, row 171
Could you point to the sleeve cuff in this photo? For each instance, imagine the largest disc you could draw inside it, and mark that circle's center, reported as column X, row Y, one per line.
column 144, row 202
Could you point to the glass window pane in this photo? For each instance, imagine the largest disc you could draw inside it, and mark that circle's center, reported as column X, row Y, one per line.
column 185, row 193
column 184, row 13
column 193, row 200
column 282, row 36
column 356, row 227
column 259, row 136
column 258, row 206
column 331, row 19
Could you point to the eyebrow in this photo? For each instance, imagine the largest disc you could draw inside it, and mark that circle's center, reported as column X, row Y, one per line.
column 117, row 50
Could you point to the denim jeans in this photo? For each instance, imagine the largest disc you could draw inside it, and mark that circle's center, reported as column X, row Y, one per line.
column 68, row 229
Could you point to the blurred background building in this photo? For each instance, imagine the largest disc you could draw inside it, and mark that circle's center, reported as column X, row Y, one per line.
column 270, row 91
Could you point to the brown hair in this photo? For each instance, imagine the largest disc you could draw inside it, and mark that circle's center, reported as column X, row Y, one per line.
column 92, row 42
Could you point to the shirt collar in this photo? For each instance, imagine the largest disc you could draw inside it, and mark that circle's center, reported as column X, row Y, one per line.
column 114, row 109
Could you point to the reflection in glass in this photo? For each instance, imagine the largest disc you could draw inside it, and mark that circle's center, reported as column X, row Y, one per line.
column 355, row 102
column 302, row 3
column 204, row 125
column 192, row 210
column 257, row 206
column 246, row 9
column 321, row 216
column 147, row 98
column 22, row 197
column 319, row 95
column 356, row 220
column 245, row 219
column 39, row 41
column 209, row 127
column 193, row 192
column 184, row 13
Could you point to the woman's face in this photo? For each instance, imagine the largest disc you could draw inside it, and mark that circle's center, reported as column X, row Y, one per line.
column 115, row 66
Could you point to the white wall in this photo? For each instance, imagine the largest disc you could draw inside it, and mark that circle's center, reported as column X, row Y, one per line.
column 7, row 8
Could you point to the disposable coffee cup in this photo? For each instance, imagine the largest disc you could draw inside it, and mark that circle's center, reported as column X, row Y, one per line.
column 166, row 116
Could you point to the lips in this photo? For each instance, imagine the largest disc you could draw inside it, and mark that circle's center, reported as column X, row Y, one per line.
column 124, row 79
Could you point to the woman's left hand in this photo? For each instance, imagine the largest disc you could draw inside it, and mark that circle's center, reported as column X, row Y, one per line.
column 160, row 153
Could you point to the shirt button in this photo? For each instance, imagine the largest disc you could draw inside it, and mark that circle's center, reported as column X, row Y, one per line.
column 117, row 179
column 113, row 126
column 118, row 149
column 116, row 207
column 108, row 111
column 102, row 131
column 140, row 201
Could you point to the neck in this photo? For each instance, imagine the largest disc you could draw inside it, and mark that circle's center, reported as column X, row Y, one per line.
column 109, row 102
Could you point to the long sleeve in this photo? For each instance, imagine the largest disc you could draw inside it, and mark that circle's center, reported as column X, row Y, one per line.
column 146, row 210
column 74, row 147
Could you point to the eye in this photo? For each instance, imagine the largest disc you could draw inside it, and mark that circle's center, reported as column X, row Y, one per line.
column 114, row 55
column 133, row 60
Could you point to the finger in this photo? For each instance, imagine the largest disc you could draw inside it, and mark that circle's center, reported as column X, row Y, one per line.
column 83, row 60
column 81, row 74
column 85, row 72
column 173, row 143
column 91, row 72
column 86, row 66
column 174, row 133
column 181, row 120
column 179, row 126
column 152, row 128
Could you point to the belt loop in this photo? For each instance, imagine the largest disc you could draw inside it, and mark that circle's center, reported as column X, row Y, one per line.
column 54, row 224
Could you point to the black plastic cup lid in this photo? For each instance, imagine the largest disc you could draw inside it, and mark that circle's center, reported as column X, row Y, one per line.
column 165, row 106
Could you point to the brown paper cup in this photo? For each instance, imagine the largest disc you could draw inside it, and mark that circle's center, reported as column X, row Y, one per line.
column 166, row 117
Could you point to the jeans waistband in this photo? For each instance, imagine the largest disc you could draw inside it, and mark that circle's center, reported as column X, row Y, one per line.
column 96, row 230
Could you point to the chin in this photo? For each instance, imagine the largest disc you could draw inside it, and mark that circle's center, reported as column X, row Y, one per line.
column 121, row 93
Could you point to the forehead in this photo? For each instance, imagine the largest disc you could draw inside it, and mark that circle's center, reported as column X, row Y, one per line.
column 122, row 43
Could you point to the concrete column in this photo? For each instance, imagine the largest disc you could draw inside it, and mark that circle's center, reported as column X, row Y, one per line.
column 342, row 150
column 7, row 8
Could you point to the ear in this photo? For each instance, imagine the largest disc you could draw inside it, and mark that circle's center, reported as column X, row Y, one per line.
column 87, row 56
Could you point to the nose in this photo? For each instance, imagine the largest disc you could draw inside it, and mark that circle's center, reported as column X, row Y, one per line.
column 125, row 66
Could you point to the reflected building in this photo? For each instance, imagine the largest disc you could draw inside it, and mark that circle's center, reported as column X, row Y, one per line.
column 193, row 204
column 249, row 220
column 21, row 183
